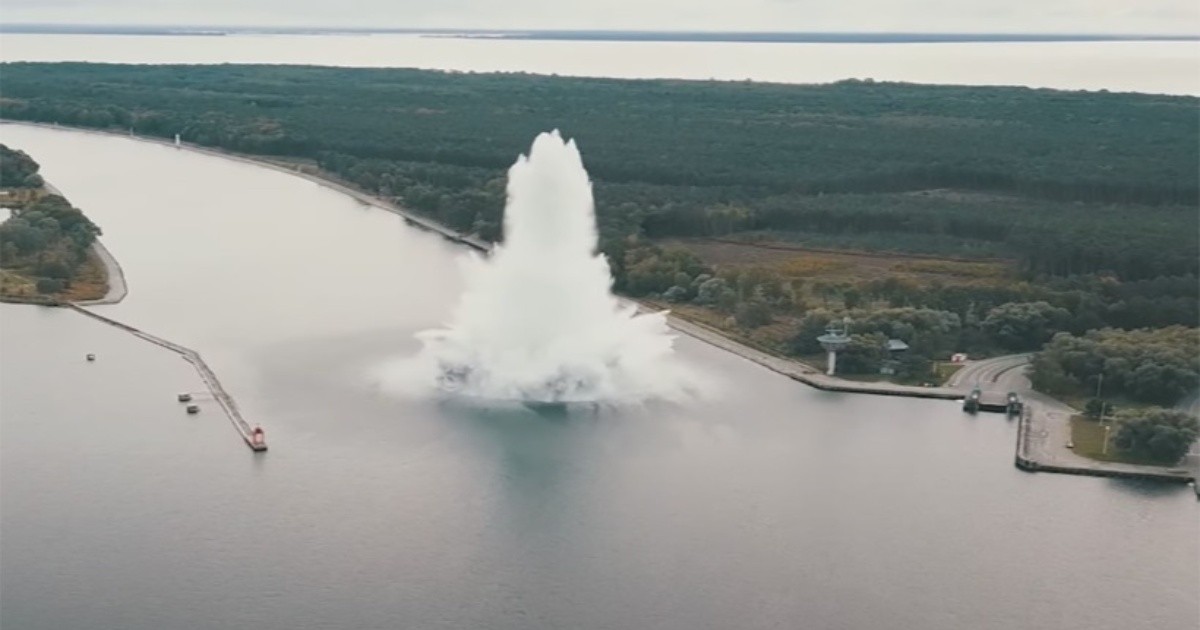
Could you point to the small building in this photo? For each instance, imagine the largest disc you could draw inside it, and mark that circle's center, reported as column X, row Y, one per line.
column 895, row 348
column 958, row 357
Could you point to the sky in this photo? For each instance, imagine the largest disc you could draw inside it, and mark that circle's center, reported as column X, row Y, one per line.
column 990, row 16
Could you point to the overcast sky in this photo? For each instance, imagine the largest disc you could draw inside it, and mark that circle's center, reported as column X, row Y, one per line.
column 1059, row 16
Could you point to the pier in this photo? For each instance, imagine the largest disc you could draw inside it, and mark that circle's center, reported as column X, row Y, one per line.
column 1040, row 448
column 252, row 436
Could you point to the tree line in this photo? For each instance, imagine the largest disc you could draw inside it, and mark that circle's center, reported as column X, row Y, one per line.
column 18, row 170
column 1159, row 366
column 1070, row 183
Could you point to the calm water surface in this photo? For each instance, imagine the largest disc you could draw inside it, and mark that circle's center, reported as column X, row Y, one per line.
column 776, row 506
column 1158, row 67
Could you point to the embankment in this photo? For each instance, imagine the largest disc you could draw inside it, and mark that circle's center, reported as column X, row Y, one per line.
column 786, row 367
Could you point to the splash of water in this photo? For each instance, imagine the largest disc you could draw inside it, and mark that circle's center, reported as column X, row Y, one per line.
column 538, row 320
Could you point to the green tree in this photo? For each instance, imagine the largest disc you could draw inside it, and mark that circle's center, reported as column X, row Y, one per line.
column 852, row 298
column 50, row 285
column 1024, row 325
column 676, row 294
column 1158, row 366
column 1161, row 434
column 810, row 326
column 18, row 170
column 863, row 355
column 711, row 291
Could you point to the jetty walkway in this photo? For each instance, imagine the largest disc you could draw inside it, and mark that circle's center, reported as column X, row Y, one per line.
column 228, row 404
column 117, row 290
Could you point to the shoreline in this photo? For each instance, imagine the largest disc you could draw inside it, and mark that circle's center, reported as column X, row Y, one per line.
column 116, row 291
column 1042, row 460
column 781, row 365
column 114, row 278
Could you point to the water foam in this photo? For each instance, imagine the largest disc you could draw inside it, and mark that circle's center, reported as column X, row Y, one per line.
column 538, row 320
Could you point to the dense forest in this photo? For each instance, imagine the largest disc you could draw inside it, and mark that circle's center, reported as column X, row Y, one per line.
column 1077, row 182
column 1022, row 213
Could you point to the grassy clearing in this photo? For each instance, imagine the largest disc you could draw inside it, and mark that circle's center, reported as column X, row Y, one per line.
column 835, row 265
column 1079, row 397
column 16, row 285
column 943, row 370
column 811, row 272
column 90, row 283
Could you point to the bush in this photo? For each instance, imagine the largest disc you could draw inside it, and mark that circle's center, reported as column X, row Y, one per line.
column 50, row 285
column 54, row 269
column 863, row 355
column 1161, row 434
column 1094, row 407
column 676, row 294
column 752, row 314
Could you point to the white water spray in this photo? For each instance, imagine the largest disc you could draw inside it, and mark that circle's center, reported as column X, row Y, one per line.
column 538, row 320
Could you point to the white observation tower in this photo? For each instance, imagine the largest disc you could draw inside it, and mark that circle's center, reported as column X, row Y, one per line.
column 834, row 340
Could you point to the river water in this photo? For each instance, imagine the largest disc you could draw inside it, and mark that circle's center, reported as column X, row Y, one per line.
column 774, row 506
column 1156, row 67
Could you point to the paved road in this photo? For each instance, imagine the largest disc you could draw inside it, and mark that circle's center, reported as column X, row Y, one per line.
column 1004, row 373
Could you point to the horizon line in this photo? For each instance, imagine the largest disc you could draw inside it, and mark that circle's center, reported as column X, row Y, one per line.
column 580, row 33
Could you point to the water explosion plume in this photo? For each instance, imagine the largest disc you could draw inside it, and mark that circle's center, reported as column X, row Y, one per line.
column 538, row 320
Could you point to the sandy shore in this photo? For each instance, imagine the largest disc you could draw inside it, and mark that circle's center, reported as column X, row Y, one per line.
column 112, row 269
column 117, row 289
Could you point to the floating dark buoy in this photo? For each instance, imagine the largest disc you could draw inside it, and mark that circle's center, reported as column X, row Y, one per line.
column 185, row 397
column 193, row 408
column 91, row 357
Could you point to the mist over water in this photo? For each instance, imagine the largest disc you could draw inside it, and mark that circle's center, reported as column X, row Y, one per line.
column 537, row 320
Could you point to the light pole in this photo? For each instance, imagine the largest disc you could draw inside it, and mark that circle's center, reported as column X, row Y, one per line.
column 1099, row 390
column 1103, row 406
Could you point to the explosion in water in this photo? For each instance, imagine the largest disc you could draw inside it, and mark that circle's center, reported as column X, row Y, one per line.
column 538, row 320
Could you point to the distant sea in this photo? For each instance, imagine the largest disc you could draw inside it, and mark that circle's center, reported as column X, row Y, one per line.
column 1152, row 64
